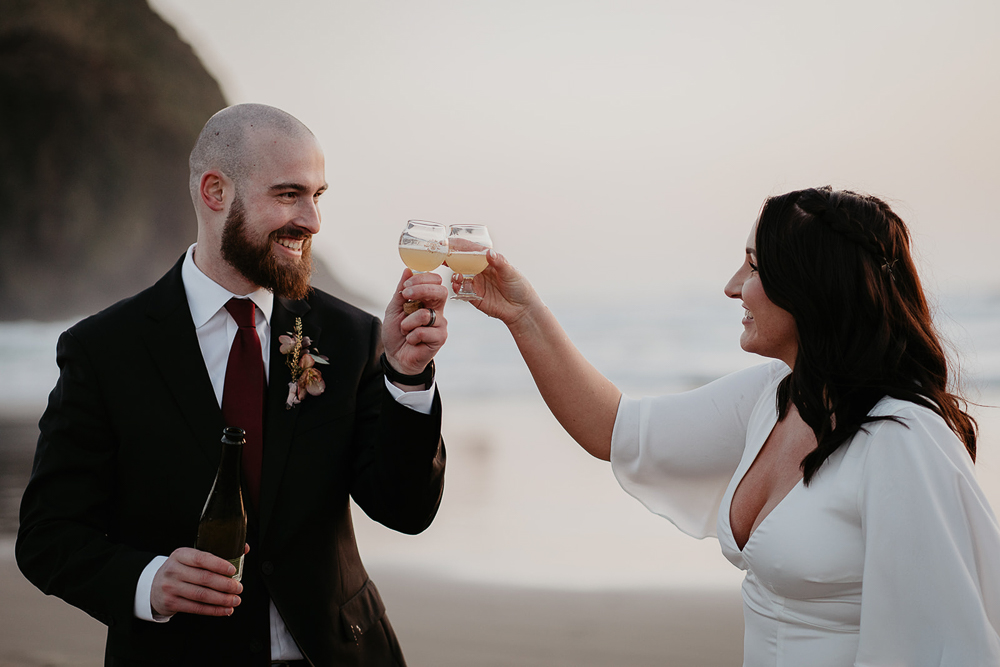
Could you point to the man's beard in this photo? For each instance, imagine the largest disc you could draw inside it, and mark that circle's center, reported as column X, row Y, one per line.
column 258, row 263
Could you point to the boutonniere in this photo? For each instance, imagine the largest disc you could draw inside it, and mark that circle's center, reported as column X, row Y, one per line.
column 301, row 360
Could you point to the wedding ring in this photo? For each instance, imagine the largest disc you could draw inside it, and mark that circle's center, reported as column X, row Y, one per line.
column 433, row 317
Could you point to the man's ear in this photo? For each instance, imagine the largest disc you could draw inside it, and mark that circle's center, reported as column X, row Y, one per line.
column 213, row 190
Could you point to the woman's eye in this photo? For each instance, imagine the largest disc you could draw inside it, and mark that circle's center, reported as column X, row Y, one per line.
column 753, row 267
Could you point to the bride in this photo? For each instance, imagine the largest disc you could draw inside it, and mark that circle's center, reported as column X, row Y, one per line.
column 839, row 475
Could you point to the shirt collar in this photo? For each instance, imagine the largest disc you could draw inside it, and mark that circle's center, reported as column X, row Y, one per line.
column 206, row 297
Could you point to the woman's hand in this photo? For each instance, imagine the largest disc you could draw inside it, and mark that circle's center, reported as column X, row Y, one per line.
column 507, row 295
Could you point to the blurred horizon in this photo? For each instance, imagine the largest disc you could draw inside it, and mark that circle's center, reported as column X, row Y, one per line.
column 622, row 150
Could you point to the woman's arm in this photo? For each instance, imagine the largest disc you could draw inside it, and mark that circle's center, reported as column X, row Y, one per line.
column 584, row 401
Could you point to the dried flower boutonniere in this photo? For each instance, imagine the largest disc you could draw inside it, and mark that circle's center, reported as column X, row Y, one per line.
column 301, row 361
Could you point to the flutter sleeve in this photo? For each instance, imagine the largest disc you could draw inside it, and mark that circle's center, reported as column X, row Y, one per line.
column 676, row 454
column 931, row 591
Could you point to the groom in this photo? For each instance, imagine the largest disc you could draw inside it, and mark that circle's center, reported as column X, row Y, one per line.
column 130, row 440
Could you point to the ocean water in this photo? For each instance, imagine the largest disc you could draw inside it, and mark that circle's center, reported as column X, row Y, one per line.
column 645, row 349
column 682, row 342
column 524, row 505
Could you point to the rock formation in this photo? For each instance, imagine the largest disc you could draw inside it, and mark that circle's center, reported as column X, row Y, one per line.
column 100, row 103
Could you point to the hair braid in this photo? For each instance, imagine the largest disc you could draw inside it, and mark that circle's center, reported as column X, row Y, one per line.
column 824, row 204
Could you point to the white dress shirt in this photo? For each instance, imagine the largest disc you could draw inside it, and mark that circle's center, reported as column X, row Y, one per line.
column 216, row 330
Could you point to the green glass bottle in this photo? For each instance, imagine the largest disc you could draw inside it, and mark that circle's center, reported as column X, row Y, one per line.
column 222, row 530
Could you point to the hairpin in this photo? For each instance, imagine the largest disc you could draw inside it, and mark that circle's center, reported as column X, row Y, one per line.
column 889, row 268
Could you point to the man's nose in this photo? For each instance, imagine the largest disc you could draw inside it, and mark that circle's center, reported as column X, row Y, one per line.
column 310, row 218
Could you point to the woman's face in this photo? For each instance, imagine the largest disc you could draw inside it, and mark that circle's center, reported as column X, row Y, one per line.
column 768, row 330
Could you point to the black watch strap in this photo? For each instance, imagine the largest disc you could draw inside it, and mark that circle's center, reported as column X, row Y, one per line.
column 425, row 377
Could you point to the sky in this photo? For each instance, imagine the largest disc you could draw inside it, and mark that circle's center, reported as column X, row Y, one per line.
column 622, row 149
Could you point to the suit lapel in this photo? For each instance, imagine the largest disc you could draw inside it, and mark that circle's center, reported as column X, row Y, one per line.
column 279, row 421
column 173, row 345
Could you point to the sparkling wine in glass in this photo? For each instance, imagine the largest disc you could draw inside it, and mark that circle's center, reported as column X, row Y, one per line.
column 467, row 248
column 423, row 245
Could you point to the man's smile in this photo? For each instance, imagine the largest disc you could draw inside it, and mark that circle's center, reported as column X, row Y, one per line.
column 294, row 245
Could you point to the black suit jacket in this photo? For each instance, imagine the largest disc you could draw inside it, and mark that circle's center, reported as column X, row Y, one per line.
column 129, row 446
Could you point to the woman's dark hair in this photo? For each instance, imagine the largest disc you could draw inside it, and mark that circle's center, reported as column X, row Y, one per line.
column 840, row 263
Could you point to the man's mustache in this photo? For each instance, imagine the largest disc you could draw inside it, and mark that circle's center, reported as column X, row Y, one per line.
column 292, row 233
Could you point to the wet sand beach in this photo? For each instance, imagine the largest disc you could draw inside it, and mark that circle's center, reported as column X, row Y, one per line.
column 445, row 623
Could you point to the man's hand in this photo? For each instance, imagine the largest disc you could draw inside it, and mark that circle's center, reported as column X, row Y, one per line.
column 411, row 341
column 195, row 582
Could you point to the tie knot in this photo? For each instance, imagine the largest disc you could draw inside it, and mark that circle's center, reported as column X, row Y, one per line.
column 242, row 311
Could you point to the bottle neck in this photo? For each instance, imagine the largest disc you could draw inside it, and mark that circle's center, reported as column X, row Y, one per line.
column 231, row 459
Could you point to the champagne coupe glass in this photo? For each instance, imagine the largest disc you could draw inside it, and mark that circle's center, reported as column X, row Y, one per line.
column 423, row 245
column 467, row 248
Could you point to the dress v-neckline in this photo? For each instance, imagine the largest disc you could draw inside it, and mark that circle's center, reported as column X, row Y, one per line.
column 753, row 531
column 758, row 519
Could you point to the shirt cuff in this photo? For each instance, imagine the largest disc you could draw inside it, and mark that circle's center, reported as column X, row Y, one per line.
column 420, row 401
column 143, row 606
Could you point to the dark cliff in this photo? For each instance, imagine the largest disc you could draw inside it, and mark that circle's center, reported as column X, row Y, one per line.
column 100, row 103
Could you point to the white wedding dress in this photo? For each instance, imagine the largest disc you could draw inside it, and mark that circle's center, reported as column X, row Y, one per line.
column 890, row 557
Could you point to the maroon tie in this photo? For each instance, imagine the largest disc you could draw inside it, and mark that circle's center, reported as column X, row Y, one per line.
column 243, row 393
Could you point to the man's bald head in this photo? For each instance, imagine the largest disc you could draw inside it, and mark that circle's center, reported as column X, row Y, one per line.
column 227, row 141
